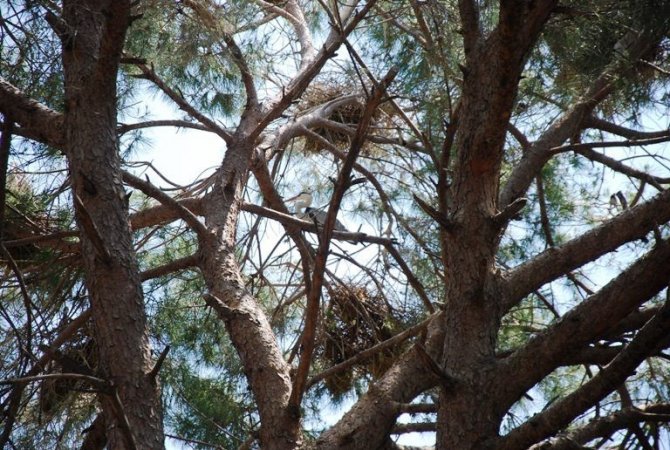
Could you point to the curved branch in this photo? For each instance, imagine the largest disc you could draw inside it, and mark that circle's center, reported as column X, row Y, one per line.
column 312, row 118
column 247, row 78
column 629, row 133
column 124, row 128
column 622, row 168
column 148, row 73
column 293, row 13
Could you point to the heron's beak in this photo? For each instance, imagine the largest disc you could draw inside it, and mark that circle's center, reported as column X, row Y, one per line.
column 295, row 197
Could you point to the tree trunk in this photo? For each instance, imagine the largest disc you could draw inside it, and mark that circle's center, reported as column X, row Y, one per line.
column 250, row 332
column 468, row 414
column 92, row 35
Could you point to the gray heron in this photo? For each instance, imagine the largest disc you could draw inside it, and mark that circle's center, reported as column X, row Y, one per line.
column 303, row 210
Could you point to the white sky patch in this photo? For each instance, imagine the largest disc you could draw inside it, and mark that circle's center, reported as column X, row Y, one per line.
column 182, row 155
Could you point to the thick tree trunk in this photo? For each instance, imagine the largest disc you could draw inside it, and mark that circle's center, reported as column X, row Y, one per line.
column 469, row 414
column 93, row 35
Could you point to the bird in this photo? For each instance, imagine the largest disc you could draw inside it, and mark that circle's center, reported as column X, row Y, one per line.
column 618, row 199
column 303, row 209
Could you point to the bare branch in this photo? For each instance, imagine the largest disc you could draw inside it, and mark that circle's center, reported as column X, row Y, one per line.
column 622, row 168
column 606, row 425
column 161, row 214
column 588, row 321
column 36, row 120
column 633, row 223
column 569, row 124
column 414, row 427
column 563, row 411
column 247, row 78
column 173, row 266
column 603, row 125
column 124, row 128
column 311, row 226
column 99, row 383
column 149, row 74
column 300, row 82
column 342, row 184
column 152, row 191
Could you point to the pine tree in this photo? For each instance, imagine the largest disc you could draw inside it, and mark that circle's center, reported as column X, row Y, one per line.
column 501, row 171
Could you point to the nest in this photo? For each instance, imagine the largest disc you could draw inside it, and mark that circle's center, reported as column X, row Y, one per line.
column 349, row 114
column 79, row 357
column 356, row 321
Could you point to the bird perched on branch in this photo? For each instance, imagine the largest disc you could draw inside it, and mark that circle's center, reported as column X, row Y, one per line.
column 303, row 210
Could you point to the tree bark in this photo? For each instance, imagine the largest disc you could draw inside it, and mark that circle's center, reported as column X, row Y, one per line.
column 92, row 41
column 469, row 413
column 247, row 324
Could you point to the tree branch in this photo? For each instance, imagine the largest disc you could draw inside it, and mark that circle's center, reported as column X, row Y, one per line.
column 370, row 352
column 573, row 120
column 307, row 73
column 371, row 419
column 588, row 321
column 631, row 224
column 606, row 425
column 124, row 128
column 173, row 266
column 341, row 186
column 585, row 151
column 36, row 120
column 149, row 74
column 629, row 133
column 469, row 12
column 564, row 410
column 154, row 192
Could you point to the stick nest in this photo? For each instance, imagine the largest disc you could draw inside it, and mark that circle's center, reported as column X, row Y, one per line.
column 349, row 114
column 356, row 321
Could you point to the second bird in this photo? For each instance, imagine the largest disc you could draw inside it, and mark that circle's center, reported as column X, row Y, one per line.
column 303, row 210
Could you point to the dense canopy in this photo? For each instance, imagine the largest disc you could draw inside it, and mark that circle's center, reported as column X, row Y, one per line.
column 482, row 262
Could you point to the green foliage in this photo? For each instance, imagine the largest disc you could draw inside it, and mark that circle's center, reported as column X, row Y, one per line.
column 206, row 409
column 29, row 53
column 592, row 37
column 207, row 397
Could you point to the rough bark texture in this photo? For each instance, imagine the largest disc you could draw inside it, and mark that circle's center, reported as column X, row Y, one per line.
column 468, row 414
column 250, row 331
column 456, row 353
column 91, row 51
